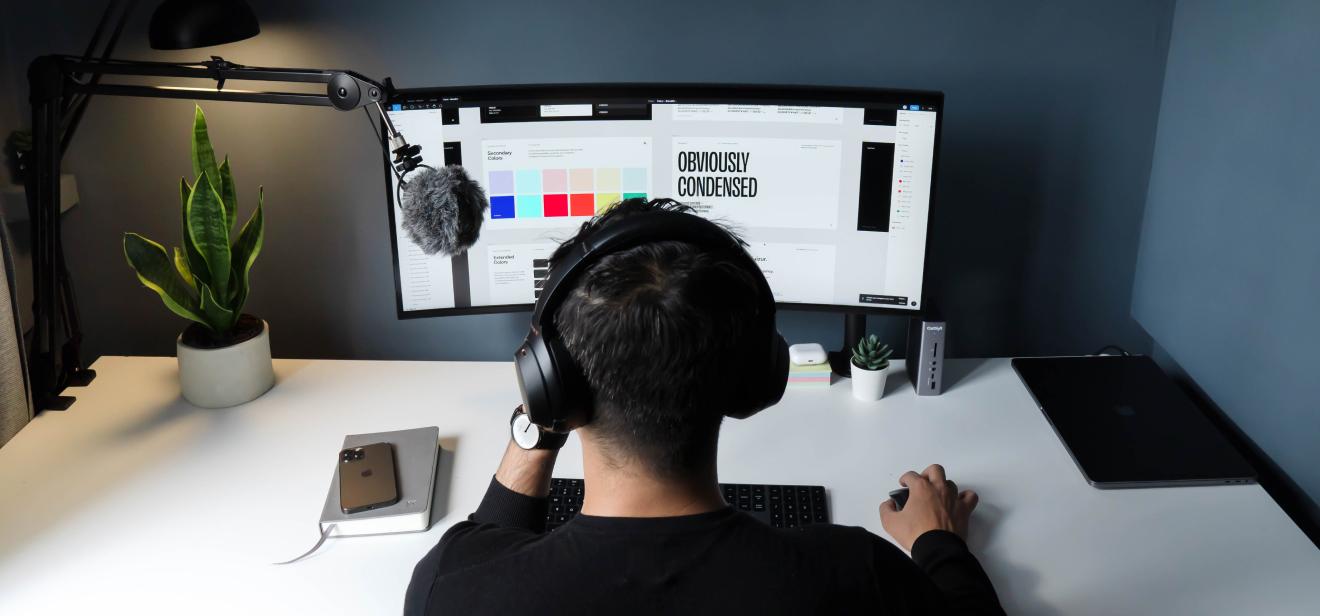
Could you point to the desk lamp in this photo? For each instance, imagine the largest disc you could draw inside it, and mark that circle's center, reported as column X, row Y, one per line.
column 61, row 87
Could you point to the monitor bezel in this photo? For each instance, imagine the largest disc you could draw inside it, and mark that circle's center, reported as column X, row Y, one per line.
column 671, row 92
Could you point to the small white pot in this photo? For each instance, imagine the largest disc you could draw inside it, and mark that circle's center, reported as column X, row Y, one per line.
column 228, row 376
column 868, row 385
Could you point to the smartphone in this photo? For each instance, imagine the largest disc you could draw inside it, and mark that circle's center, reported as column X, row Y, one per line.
column 366, row 478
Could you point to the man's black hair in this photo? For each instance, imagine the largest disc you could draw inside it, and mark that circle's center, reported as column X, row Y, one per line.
column 662, row 333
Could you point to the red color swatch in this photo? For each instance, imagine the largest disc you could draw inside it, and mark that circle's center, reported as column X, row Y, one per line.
column 556, row 205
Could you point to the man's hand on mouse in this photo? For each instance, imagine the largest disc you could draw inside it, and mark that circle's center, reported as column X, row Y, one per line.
column 933, row 503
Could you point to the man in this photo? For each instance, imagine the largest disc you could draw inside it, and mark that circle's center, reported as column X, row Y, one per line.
column 656, row 329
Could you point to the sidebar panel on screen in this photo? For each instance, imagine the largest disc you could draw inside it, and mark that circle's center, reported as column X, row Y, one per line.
column 874, row 195
column 459, row 262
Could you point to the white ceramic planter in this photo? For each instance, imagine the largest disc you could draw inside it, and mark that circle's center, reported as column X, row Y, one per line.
column 868, row 385
column 228, row 376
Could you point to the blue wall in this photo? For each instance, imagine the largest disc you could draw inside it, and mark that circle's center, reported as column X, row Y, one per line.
column 1051, row 113
column 1228, row 279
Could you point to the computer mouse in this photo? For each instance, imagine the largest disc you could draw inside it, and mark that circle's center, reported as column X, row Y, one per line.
column 900, row 495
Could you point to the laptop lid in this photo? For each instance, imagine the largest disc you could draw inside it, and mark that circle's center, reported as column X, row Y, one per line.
column 1127, row 425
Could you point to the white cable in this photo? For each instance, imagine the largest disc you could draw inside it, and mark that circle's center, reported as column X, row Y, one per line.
column 325, row 534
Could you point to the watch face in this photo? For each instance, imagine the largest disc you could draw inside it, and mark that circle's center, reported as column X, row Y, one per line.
column 525, row 433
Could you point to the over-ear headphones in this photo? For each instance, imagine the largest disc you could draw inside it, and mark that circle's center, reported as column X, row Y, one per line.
column 554, row 389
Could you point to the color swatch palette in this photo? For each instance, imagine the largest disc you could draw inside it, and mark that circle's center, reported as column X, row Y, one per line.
column 551, row 193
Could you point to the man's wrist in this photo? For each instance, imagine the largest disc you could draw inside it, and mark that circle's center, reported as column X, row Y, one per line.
column 531, row 436
column 937, row 541
column 526, row 471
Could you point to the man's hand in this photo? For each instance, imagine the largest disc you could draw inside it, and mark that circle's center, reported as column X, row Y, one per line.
column 933, row 504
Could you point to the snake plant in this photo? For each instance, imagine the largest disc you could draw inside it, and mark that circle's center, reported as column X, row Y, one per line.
column 869, row 354
column 206, row 280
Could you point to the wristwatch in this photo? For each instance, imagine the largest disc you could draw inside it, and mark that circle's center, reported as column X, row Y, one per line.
column 530, row 436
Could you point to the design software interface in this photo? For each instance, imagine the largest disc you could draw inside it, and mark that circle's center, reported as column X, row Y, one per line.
column 832, row 198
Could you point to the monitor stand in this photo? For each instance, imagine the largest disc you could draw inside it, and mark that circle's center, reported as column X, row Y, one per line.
column 854, row 327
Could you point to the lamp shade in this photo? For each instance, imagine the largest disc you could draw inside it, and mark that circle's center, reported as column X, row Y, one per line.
column 185, row 24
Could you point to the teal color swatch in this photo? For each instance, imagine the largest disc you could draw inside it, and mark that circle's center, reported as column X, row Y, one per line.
column 528, row 206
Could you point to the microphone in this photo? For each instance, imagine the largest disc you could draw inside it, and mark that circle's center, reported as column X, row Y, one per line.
column 442, row 209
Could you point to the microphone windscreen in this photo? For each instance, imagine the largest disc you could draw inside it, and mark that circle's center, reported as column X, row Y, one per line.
column 442, row 209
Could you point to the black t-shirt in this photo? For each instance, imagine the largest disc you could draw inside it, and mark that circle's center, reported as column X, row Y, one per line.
column 721, row 562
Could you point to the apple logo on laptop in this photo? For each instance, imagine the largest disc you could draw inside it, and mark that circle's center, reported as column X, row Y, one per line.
column 1125, row 410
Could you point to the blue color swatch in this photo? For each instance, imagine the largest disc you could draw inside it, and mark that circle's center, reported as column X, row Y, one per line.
column 501, row 207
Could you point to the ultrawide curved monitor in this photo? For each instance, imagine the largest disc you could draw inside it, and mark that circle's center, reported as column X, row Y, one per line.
column 830, row 187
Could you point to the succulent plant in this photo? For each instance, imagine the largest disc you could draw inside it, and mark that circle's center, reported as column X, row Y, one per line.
column 869, row 354
column 207, row 279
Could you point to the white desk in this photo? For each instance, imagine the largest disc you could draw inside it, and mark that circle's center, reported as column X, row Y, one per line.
column 134, row 499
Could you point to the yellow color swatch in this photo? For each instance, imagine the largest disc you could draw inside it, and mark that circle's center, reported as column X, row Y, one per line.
column 605, row 201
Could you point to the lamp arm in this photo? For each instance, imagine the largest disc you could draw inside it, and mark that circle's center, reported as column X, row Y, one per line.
column 345, row 90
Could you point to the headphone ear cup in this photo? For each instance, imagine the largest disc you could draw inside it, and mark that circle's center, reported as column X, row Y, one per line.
column 766, row 387
column 573, row 406
column 775, row 379
column 537, row 381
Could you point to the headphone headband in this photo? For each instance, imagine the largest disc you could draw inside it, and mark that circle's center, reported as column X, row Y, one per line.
column 554, row 389
column 623, row 234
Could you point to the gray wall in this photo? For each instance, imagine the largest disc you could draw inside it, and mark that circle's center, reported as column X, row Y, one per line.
column 1050, row 115
column 1228, row 280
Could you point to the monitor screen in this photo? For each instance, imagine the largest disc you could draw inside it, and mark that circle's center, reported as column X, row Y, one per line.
column 829, row 187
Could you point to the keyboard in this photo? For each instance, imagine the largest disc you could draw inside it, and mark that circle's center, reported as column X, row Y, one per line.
column 779, row 506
